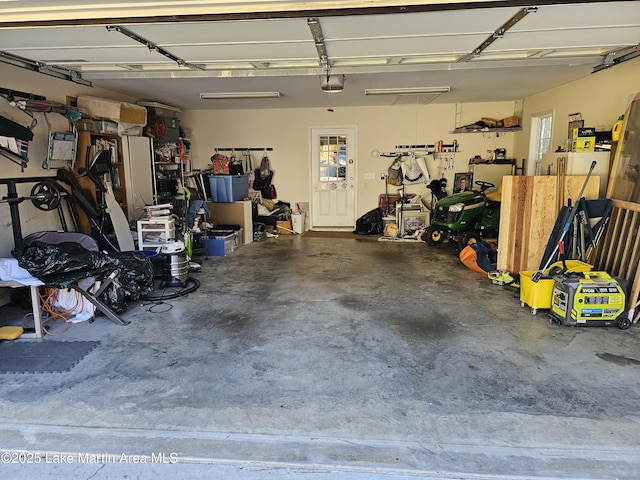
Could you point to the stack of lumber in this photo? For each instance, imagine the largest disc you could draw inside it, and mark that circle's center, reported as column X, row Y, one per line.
column 528, row 213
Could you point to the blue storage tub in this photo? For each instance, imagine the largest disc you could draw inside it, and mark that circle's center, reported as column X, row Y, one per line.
column 219, row 246
column 228, row 188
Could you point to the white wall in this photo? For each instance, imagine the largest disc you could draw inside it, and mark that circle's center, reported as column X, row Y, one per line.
column 600, row 98
column 379, row 128
column 53, row 89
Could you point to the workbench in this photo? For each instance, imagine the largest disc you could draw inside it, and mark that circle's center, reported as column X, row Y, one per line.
column 14, row 276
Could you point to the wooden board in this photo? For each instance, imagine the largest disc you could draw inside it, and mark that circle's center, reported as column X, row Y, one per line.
column 527, row 214
column 119, row 221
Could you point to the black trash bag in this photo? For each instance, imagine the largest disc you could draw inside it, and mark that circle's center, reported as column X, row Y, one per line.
column 60, row 265
column 370, row 223
column 63, row 264
column 136, row 274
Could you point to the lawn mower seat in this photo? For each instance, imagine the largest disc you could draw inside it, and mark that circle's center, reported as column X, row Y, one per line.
column 84, row 285
column 495, row 196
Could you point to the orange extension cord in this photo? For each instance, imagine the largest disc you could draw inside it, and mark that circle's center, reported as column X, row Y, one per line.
column 49, row 312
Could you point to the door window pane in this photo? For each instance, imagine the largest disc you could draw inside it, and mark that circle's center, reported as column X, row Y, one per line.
column 333, row 158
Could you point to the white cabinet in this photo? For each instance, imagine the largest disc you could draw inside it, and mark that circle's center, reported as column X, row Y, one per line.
column 138, row 158
column 490, row 172
column 579, row 163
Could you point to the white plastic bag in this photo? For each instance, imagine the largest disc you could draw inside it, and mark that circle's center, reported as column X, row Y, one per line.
column 412, row 172
column 70, row 302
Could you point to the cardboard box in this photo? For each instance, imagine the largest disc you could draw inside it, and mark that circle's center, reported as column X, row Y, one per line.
column 586, row 144
column 584, row 132
column 120, row 112
column 513, row 121
column 284, row 227
column 584, row 139
column 236, row 213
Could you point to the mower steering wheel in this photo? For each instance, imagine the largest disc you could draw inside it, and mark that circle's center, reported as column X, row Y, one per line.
column 484, row 185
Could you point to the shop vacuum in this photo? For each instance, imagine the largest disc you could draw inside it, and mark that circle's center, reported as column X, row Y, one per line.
column 175, row 264
column 588, row 299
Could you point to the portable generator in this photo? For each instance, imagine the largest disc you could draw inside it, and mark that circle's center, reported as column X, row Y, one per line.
column 588, row 299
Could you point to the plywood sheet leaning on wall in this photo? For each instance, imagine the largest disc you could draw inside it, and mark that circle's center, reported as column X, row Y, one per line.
column 528, row 213
column 619, row 253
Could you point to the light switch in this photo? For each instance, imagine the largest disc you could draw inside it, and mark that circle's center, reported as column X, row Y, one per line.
column 369, row 176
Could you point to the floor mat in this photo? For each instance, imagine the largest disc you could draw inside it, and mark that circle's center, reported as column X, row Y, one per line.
column 323, row 234
column 42, row 356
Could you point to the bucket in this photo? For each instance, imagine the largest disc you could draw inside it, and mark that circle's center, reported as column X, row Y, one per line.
column 297, row 222
column 538, row 294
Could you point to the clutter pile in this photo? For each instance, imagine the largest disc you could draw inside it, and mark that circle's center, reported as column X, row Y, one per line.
column 271, row 216
column 486, row 123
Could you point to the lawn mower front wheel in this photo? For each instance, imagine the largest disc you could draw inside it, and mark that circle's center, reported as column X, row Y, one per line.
column 433, row 235
column 468, row 238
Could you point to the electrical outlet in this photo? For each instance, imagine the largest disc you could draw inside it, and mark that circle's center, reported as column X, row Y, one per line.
column 383, row 176
column 369, row 176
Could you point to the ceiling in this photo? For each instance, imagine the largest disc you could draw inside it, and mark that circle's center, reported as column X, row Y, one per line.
column 168, row 54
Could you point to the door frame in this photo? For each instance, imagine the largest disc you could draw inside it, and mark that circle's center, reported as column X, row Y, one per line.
column 335, row 129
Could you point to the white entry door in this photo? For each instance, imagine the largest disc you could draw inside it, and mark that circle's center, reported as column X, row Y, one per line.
column 333, row 177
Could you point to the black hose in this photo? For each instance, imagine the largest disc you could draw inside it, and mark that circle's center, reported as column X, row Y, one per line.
column 195, row 284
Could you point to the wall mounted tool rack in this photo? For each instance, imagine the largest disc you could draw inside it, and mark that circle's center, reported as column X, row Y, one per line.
column 13, row 97
column 407, row 150
column 196, row 175
column 431, row 148
column 15, row 94
column 62, row 145
column 244, row 149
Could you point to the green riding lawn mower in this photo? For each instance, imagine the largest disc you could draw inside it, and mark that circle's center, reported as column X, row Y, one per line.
column 465, row 217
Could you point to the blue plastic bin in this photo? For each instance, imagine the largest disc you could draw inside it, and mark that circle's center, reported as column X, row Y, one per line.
column 228, row 188
column 219, row 246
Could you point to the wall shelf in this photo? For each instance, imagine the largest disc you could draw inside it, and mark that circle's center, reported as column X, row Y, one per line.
column 486, row 130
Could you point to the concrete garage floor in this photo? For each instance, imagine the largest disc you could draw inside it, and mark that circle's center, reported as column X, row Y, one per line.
column 323, row 358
